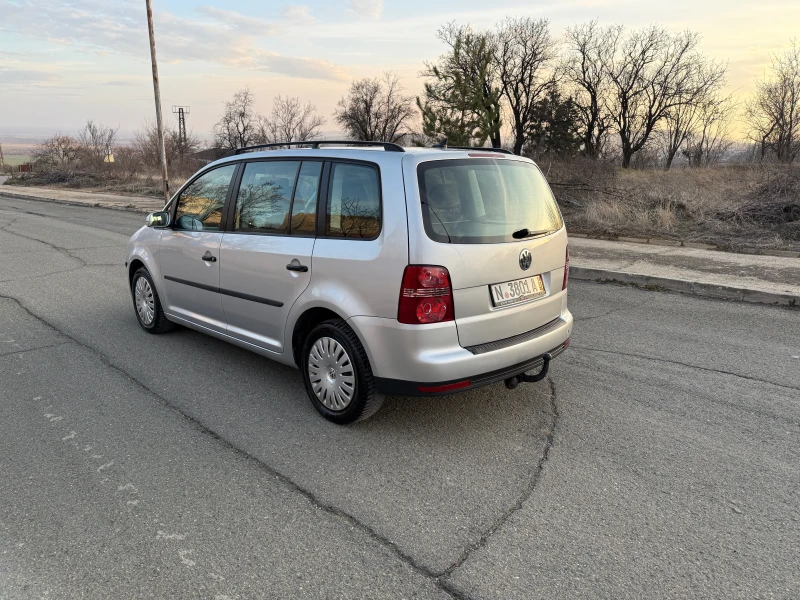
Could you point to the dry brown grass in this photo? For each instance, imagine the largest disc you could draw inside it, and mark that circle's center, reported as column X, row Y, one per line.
column 129, row 185
column 741, row 208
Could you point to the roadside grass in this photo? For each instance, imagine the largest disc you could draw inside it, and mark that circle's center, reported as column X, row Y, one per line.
column 132, row 185
column 744, row 208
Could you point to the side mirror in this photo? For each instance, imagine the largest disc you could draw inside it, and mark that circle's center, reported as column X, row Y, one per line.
column 157, row 219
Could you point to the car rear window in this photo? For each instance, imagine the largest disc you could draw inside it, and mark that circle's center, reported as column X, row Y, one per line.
column 485, row 201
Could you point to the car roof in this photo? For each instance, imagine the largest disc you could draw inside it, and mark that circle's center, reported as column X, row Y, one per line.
column 371, row 154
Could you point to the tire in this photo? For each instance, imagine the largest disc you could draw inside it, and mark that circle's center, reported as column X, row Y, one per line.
column 145, row 296
column 337, row 374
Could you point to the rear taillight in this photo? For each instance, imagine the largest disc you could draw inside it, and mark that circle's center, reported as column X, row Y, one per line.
column 566, row 271
column 426, row 295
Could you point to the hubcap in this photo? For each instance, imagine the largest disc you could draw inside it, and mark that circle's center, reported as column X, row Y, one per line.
column 331, row 374
column 145, row 303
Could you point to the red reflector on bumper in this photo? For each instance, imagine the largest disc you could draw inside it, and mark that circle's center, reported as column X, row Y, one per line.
column 444, row 388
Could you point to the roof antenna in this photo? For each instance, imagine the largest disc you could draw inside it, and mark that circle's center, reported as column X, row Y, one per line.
column 442, row 144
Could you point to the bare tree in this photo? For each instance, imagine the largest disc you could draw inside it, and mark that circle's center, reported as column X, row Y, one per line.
column 589, row 48
column 683, row 119
column 57, row 151
column 651, row 72
column 289, row 121
column 146, row 144
column 237, row 127
column 96, row 142
column 462, row 94
column 375, row 110
column 710, row 138
column 774, row 111
column 524, row 57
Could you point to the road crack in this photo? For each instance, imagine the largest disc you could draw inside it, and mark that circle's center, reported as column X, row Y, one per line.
column 59, row 249
column 14, row 352
column 554, row 414
column 611, row 312
column 683, row 364
column 310, row 496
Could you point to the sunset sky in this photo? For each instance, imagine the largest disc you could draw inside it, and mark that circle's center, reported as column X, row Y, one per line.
column 62, row 62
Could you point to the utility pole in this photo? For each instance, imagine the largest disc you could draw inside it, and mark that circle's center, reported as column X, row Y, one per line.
column 181, row 112
column 157, row 92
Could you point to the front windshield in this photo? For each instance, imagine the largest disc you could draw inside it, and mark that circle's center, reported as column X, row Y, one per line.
column 485, row 201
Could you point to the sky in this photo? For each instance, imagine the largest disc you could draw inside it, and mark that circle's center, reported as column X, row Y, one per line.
column 65, row 61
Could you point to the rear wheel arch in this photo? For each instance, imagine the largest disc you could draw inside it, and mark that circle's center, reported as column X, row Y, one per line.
column 304, row 324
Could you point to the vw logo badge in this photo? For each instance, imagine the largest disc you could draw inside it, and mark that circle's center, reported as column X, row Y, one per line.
column 525, row 259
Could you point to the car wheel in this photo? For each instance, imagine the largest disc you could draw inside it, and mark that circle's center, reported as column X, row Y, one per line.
column 147, row 304
column 337, row 374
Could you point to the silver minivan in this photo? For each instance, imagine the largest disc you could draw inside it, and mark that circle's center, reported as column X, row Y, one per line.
column 374, row 269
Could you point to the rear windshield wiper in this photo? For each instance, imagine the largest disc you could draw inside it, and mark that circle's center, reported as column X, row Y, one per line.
column 526, row 233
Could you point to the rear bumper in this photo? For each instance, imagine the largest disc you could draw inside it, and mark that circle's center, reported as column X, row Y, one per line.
column 397, row 387
column 431, row 355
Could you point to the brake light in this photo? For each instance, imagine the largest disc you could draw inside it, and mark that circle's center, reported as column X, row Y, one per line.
column 426, row 296
column 566, row 271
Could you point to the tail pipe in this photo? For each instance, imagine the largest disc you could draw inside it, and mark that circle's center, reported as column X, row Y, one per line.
column 513, row 382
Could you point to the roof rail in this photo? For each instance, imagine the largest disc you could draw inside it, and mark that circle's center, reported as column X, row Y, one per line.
column 481, row 148
column 315, row 144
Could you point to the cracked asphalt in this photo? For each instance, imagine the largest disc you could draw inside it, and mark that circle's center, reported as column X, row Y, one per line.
column 660, row 459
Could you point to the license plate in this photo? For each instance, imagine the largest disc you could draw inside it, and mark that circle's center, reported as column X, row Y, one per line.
column 519, row 290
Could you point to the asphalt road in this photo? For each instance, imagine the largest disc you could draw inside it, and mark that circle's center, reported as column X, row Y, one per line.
column 660, row 459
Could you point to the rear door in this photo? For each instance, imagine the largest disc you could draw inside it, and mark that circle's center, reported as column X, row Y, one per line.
column 189, row 250
column 493, row 222
column 266, row 251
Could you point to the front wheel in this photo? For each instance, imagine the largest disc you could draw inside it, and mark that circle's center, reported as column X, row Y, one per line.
column 337, row 374
column 147, row 304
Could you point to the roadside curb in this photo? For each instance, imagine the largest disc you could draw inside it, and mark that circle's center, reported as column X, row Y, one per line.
column 127, row 208
column 684, row 244
column 695, row 288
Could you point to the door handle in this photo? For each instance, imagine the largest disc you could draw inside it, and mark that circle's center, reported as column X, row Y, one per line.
column 296, row 267
column 208, row 257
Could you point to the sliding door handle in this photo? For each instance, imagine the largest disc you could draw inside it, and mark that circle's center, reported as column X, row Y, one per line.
column 293, row 266
column 208, row 257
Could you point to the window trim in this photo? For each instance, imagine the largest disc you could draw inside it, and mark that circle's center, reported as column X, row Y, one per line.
column 230, row 206
column 322, row 214
column 176, row 198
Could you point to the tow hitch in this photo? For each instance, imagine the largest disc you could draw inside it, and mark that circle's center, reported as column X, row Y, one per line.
column 513, row 382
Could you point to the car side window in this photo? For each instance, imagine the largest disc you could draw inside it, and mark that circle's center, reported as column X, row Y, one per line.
column 200, row 203
column 354, row 202
column 304, row 205
column 264, row 197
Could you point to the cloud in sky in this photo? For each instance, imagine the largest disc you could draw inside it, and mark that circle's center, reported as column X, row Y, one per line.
column 298, row 14
column 220, row 36
column 366, row 9
column 238, row 22
column 27, row 77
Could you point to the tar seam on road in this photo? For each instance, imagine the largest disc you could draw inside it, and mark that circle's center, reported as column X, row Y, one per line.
column 626, row 309
column 526, row 494
column 59, row 249
column 439, row 579
column 683, row 364
column 4, row 354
